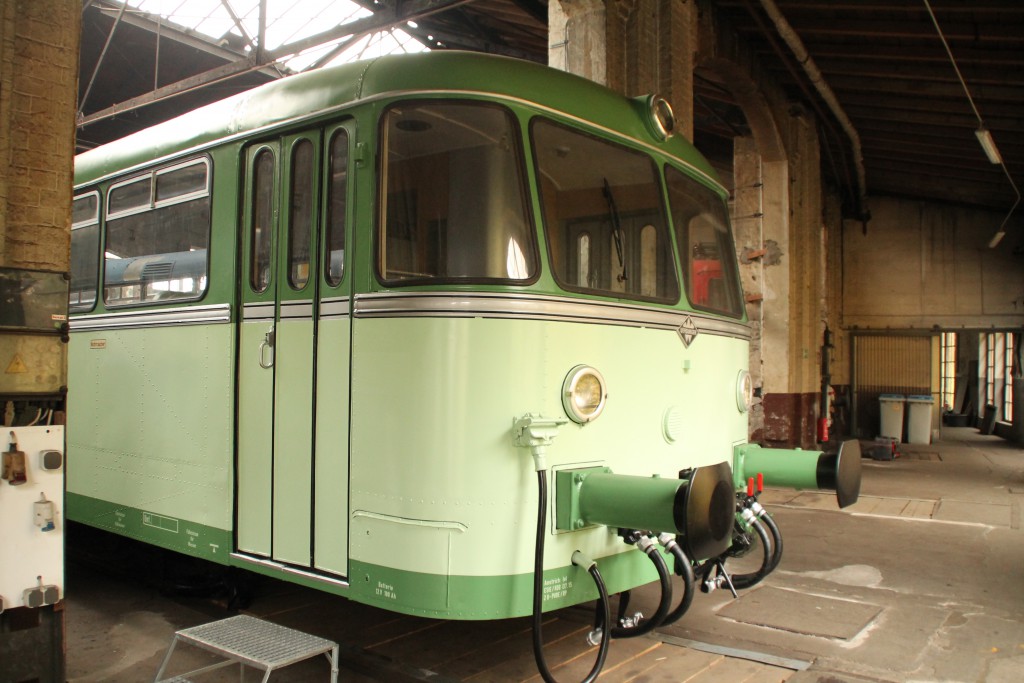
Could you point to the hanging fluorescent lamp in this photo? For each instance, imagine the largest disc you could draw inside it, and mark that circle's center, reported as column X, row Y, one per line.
column 989, row 145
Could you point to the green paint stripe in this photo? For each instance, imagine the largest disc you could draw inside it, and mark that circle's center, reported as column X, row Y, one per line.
column 407, row 592
column 490, row 597
column 173, row 533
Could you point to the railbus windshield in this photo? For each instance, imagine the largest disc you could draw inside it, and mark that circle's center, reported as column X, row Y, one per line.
column 603, row 216
column 454, row 209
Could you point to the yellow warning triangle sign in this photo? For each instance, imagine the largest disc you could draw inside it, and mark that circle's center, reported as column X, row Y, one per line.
column 16, row 366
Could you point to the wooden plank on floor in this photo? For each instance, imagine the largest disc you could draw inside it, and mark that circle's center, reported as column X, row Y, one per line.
column 675, row 665
column 513, row 650
column 621, row 653
column 453, row 639
column 729, row 670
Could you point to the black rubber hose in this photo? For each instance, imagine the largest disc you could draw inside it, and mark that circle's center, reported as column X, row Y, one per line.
column 748, row 580
column 684, row 569
column 648, row 625
column 624, row 598
column 776, row 540
column 604, row 604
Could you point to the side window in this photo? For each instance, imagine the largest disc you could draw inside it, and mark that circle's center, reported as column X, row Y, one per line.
column 337, row 188
column 262, row 226
column 604, row 215
column 453, row 202
column 705, row 245
column 300, row 220
column 158, row 234
column 85, row 251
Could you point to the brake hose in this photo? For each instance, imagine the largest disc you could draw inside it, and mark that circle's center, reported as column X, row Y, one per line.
column 685, row 569
column 748, row 580
column 604, row 605
column 776, row 540
column 646, row 626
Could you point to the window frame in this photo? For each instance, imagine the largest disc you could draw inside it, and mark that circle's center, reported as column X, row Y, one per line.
column 97, row 268
column 295, row 239
column 515, row 128
column 731, row 270
column 948, row 342
column 257, row 257
column 153, row 205
column 327, row 231
column 671, row 267
column 1008, row 378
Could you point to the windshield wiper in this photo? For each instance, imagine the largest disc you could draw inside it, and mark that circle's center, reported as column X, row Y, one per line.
column 613, row 214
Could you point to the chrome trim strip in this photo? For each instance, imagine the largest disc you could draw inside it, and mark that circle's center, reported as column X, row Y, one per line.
column 164, row 317
column 539, row 307
column 335, row 308
column 258, row 311
column 291, row 310
column 292, row 571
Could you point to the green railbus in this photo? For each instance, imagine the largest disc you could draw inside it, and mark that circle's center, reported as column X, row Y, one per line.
column 417, row 331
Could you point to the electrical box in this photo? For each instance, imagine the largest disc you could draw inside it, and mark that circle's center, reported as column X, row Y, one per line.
column 31, row 517
column 33, row 333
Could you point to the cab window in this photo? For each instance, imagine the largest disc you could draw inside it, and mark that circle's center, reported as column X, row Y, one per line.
column 604, row 216
column 453, row 202
column 705, row 244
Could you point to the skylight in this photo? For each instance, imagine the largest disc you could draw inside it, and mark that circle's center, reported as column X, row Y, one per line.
column 287, row 21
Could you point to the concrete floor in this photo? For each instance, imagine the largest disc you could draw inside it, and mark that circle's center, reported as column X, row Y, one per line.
column 922, row 580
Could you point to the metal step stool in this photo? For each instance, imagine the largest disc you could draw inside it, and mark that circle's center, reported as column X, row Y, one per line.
column 253, row 642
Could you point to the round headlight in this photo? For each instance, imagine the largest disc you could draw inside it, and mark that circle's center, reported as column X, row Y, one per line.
column 583, row 394
column 744, row 391
column 661, row 116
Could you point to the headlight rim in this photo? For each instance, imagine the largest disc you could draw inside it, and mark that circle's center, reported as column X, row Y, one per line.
column 744, row 391
column 569, row 386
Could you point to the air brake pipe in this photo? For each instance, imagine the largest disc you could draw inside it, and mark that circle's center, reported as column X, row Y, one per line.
column 773, row 529
column 685, row 569
column 578, row 559
column 646, row 626
column 752, row 579
column 536, row 433
column 799, row 469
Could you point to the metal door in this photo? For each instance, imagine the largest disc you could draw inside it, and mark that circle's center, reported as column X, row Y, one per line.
column 292, row 435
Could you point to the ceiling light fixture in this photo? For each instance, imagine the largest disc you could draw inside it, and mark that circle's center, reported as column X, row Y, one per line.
column 989, row 145
column 983, row 134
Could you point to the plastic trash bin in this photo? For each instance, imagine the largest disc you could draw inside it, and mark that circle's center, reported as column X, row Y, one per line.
column 919, row 419
column 891, row 406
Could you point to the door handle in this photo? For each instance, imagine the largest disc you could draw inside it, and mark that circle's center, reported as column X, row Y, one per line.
column 265, row 345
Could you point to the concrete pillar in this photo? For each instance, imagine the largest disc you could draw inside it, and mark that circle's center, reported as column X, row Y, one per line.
column 792, row 402
column 577, row 38
column 632, row 46
column 748, row 231
column 39, row 45
column 39, row 41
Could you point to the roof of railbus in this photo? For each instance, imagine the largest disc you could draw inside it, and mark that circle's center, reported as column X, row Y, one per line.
column 312, row 93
